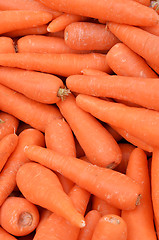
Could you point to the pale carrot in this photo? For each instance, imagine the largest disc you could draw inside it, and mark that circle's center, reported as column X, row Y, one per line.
column 6, row 45
column 5, row 235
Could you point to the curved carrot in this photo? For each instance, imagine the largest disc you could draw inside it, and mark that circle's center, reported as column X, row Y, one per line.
column 5, row 235
column 143, row 215
column 6, row 45
column 32, row 177
column 110, row 227
column 124, row 62
column 85, row 36
column 18, row 216
column 8, row 174
column 102, row 182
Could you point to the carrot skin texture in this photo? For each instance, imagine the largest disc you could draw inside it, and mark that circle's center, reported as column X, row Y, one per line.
column 5, row 235
column 6, row 45
column 153, row 29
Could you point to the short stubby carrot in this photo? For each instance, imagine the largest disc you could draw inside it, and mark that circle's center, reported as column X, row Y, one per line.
column 18, row 216
column 6, row 45
column 5, row 235
column 85, row 36
column 41, row 186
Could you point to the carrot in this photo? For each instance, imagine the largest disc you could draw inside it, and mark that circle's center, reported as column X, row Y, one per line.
column 122, row 11
column 144, row 2
column 18, row 216
column 7, row 146
column 155, row 5
column 44, row 214
column 61, row 22
column 124, row 62
column 8, row 174
column 121, row 87
column 113, row 132
column 51, row 63
column 91, row 219
column 110, row 227
column 5, row 235
column 8, row 124
column 143, row 215
column 153, row 29
column 89, row 71
column 142, row 42
column 154, row 66
column 86, row 128
column 42, row 187
column 136, row 121
column 102, row 182
column 85, row 36
column 38, row 115
column 59, row 34
column 6, row 45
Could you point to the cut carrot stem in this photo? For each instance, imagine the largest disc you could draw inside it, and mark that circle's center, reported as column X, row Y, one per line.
column 5, row 235
column 6, row 45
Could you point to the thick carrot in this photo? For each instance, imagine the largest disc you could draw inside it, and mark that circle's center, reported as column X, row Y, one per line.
column 153, row 29
column 139, row 122
column 5, row 235
column 144, row 43
column 121, row 87
column 38, row 115
column 8, row 124
column 8, row 174
column 41, row 186
column 110, row 227
column 91, row 220
column 102, row 182
column 7, row 146
column 124, row 62
column 143, row 215
column 85, row 36
column 122, row 11
column 95, row 140
column 51, row 63
column 6, row 45
column 61, row 22
column 18, row 216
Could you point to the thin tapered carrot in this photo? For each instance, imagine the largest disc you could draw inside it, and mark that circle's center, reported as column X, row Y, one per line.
column 153, row 29
column 121, row 87
column 91, row 220
column 42, row 187
column 5, row 235
column 102, row 182
column 95, row 140
column 122, row 11
column 85, row 36
column 56, row 227
column 18, row 216
column 8, row 124
column 124, row 62
column 110, row 227
column 135, row 121
column 143, row 215
column 51, row 63
column 38, row 115
column 61, row 22
column 8, row 174
column 89, row 71
column 7, row 146
column 6, row 45
column 144, row 43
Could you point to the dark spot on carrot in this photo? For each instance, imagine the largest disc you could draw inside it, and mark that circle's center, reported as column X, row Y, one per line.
column 25, row 219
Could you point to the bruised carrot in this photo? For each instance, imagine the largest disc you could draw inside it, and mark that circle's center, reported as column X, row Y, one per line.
column 5, row 235
column 6, row 45
column 18, row 216
column 85, row 36
column 8, row 174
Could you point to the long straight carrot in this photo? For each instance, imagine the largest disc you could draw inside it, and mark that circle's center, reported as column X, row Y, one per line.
column 144, row 43
column 38, row 115
column 121, row 87
column 135, row 121
column 6, row 45
column 143, row 215
column 8, row 174
column 122, row 11
column 51, row 63
column 97, row 143
column 5, row 235
column 42, row 187
column 102, row 182
column 85, row 36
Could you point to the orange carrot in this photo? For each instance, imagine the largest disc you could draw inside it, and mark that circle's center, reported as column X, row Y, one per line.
column 44, row 214
column 6, row 45
column 144, row 2
column 85, row 36
column 113, row 132
column 22, row 126
column 143, row 215
column 5, row 235
column 102, row 182
column 8, row 174
column 110, row 227
column 124, row 62
column 136, row 121
column 38, row 115
column 91, row 219
column 122, row 11
column 41, row 186
column 7, row 146
column 154, row 66
column 86, row 128
column 51, row 63
column 18, row 216
column 89, row 71
column 59, row 34
column 153, row 29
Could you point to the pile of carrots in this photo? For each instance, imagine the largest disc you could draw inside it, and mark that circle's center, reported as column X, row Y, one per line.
column 79, row 120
